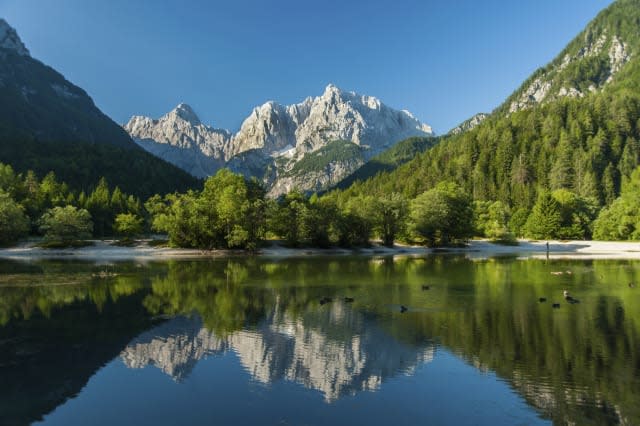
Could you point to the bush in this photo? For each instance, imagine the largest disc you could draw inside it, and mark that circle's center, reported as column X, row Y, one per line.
column 66, row 225
column 128, row 225
column 13, row 222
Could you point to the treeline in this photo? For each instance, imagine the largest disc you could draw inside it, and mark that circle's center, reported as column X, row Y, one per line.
column 559, row 163
column 48, row 207
column 233, row 212
column 587, row 146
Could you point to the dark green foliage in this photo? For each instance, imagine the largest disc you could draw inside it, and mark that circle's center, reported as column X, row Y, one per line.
column 128, row 225
column 355, row 222
column 576, row 215
column 621, row 220
column 518, row 221
column 442, row 214
column 228, row 213
column 35, row 197
column 65, row 225
column 321, row 216
column 14, row 224
column 545, row 219
column 492, row 220
column 336, row 151
column 390, row 159
column 390, row 215
column 289, row 218
column 586, row 146
column 81, row 165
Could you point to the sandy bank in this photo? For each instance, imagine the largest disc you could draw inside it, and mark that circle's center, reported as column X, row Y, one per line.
column 478, row 249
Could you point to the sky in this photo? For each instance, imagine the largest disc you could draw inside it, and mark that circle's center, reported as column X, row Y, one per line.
column 442, row 60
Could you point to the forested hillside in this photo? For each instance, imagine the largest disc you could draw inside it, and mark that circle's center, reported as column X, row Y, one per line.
column 573, row 127
column 49, row 124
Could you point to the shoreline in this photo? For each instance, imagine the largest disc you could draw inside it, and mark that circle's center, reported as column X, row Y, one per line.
column 476, row 250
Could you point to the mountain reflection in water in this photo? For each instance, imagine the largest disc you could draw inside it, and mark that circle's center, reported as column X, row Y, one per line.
column 300, row 349
column 67, row 336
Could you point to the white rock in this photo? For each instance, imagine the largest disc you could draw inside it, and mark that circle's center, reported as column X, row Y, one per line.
column 180, row 138
column 276, row 136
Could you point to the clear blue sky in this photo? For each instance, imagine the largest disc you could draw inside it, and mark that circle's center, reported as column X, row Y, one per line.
column 442, row 60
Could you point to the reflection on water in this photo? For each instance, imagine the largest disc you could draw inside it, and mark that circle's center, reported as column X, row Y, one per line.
column 298, row 349
column 60, row 325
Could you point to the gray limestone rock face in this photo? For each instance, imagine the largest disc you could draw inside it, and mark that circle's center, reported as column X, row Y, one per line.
column 181, row 139
column 274, row 138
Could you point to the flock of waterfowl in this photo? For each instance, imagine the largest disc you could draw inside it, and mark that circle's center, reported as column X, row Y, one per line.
column 324, row 300
column 556, row 305
column 569, row 298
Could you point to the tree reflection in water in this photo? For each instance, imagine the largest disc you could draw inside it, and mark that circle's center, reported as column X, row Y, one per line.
column 574, row 364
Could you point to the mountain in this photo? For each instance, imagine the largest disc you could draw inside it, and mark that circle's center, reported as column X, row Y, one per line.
column 469, row 124
column 286, row 347
column 573, row 125
column 48, row 123
column 391, row 159
column 589, row 63
column 180, row 138
column 311, row 145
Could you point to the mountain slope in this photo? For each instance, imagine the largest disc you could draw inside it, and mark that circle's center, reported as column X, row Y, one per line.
column 389, row 160
column 182, row 139
column 44, row 120
column 279, row 143
column 583, row 138
column 589, row 63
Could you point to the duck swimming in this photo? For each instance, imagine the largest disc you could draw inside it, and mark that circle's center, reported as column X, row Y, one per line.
column 569, row 298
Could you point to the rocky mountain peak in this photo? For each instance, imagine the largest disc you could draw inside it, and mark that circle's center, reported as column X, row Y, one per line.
column 9, row 39
column 186, row 113
column 275, row 137
column 331, row 89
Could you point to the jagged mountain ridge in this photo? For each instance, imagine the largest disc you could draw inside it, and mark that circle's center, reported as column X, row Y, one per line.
column 275, row 138
column 286, row 348
column 190, row 145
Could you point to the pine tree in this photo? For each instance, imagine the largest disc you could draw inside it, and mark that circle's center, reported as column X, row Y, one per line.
column 545, row 218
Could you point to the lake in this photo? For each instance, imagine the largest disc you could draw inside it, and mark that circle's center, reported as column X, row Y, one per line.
column 439, row 339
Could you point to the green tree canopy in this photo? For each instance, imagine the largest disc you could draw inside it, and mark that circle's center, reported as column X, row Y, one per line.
column 14, row 224
column 128, row 224
column 66, row 224
column 545, row 218
column 442, row 214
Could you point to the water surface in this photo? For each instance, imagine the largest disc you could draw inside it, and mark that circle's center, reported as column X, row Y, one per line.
column 320, row 340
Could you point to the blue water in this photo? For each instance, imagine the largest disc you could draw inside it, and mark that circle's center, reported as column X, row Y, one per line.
column 219, row 390
column 320, row 341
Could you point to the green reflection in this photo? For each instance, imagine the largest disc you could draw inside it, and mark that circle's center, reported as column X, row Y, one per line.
column 579, row 363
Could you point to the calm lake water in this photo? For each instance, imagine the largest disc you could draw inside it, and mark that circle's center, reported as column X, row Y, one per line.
column 256, row 341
